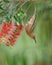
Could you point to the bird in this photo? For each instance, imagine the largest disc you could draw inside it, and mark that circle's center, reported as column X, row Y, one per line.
column 30, row 25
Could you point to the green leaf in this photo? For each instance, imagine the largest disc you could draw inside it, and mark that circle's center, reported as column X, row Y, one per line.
column 6, row 0
column 1, row 8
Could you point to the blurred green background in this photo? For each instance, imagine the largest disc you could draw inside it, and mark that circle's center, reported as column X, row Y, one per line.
column 26, row 51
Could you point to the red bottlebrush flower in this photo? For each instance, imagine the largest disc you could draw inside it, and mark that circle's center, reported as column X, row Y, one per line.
column 5, row 28
column 10, row 32
column 20, row 30
column 21, row 27
column 0, row 34
column 13, row 42
column 17, row 34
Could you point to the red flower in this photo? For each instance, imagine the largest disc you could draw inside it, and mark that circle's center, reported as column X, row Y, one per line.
column 5, row 28
column 13, row 42
column 10, row 32
column 21, row 27
column 0, row 34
